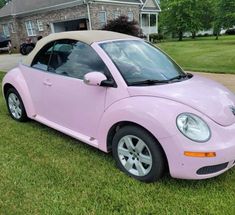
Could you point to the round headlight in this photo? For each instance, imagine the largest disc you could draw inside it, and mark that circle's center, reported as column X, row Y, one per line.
column 193, row 127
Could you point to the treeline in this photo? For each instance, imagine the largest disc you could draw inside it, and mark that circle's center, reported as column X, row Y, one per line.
column 180, row 16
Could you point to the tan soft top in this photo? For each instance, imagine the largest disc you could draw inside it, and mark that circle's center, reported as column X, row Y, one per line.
column 87, row 37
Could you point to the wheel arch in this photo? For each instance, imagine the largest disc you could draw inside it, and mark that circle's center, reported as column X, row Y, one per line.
column 14, row 79
column 112, row 131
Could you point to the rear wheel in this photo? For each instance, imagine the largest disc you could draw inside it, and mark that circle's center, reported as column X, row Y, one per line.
column 15, row 105
column 138, row 154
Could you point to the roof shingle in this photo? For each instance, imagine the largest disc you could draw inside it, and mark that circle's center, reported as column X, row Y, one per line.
column 16, row 7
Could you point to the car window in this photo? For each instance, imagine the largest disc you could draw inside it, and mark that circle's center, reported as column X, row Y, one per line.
column 42, row 58
column 139, row 61
column 75, row 59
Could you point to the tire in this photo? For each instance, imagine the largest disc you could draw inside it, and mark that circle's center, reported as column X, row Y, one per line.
column 138, row 154
column 15, row 106
column 28, row 49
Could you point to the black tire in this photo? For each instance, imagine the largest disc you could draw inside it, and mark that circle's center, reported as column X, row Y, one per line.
column 23, row 117
column 153, row 147
column 28, row 49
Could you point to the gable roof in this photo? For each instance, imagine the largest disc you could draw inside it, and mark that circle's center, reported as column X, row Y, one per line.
column 151, row 5
column 19, row 7
column 120, row 1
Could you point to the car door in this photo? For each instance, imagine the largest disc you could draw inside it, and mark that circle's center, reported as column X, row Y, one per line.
column 68, row 101
column 35, row 77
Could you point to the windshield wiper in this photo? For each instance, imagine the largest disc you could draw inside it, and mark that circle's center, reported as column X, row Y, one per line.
column 178, row 77
column 148, row 82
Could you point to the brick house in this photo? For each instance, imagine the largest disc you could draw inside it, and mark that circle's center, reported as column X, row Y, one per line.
column 20, row 19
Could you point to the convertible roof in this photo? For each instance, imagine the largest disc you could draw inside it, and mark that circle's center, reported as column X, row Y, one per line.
column 87, row 37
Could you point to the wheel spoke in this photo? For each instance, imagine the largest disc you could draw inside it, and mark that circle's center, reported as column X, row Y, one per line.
column 140, row 146
column 124, row 152
column 145, row 159
column 18, row 110
column 129, row 164
column 128, row 143
column 140, row 168
column 14, row 106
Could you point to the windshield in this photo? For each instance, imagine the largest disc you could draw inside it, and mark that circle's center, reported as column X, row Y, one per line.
column 140, row 62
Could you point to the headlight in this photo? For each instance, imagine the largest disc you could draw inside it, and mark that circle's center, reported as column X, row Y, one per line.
column 193, row 127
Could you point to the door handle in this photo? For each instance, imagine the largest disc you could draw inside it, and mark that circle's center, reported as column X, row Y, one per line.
column 47, row 83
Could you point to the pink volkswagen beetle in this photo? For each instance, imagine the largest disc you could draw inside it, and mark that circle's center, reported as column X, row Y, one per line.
column 119, row 93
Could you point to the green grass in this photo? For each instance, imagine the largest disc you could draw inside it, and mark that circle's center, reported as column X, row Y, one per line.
column 203, row 54
column 45, row 172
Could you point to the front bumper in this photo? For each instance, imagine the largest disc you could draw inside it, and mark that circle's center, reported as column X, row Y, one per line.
column 222, row 143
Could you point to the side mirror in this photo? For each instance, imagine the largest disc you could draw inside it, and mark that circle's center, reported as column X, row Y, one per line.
column 94, row 78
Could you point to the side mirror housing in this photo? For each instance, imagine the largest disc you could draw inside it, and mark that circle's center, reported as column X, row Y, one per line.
column 94, row 78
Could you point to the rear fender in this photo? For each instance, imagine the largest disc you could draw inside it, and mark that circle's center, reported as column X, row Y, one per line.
column 16, row 79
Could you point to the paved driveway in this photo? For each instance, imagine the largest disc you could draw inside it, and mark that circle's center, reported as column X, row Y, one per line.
column 8, row 62
column 227, row 80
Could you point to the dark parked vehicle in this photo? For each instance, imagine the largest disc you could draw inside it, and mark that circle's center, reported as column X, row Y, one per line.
column 27, row 47
column 5, row 43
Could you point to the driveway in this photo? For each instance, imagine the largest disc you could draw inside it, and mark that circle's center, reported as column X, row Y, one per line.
column 227, row 80
column 8, row 62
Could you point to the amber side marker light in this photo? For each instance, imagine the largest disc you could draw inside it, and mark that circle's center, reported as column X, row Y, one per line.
column 200, row 154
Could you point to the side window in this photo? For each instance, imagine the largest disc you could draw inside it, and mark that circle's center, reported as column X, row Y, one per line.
column 75, row 59
column 42, row 58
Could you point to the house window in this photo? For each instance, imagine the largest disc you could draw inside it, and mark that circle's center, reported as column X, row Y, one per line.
column 130, row 16
column 153, row 20
column 117, row 14
column 102, row 18
column 6, row 31
column 145, row 20
column 30, row 28
column 12, row 27
column 40, row 25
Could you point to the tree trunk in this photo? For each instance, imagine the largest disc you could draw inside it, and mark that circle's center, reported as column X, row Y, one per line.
column 217, row 35
column 180, row 36
column 193, row 35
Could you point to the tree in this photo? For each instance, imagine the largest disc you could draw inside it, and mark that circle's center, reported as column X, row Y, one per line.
column 123, row 25
column 225, row 15
column 181, row 16
column 176, row 16
column 202, row 15
column 2, row 3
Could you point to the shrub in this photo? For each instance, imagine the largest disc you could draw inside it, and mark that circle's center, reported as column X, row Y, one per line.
column 230, row 31
column 155, row 37
column 123, row 25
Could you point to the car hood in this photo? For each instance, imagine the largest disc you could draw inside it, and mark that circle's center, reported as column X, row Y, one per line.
column 204, row 95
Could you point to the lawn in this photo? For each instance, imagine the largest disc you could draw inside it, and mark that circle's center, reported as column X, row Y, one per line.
column 203, row 54
column 45, row 172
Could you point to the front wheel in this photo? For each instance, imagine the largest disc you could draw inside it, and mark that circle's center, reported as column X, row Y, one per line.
column 138, row 154
column 15, row 105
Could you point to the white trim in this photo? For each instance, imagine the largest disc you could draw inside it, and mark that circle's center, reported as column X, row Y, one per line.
column 52, row 27
column 6, row 30
column 105, row 15
column 132, row 18
column 89, row 16
column 12, row 27
column 40, row 25
column 117, row 2
column 142, row 9
column 32, row 29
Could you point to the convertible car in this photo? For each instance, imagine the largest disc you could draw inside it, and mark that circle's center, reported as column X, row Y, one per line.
column 5, row 43
column 123, row 95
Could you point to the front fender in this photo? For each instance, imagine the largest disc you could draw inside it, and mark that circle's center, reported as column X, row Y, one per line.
column 157, row 115
column 16, row 79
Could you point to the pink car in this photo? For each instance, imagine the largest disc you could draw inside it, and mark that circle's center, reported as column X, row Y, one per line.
column 119, row 93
